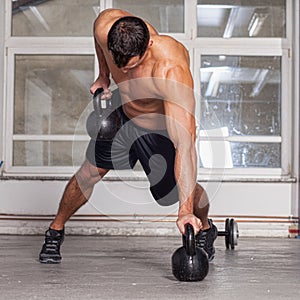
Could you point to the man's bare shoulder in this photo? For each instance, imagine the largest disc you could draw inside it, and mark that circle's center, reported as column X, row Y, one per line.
column 172, row 48
column 105, row 20
column 172, row 61
column 170, row 54
column 112, row 13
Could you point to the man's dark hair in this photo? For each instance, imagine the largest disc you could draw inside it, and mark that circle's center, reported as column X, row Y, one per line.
column 128, row 37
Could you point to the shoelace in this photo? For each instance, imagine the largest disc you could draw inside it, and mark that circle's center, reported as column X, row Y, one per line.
column 201, row 241
column 52, row 245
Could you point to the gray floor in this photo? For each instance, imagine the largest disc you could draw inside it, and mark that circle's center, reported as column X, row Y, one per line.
column 140, row 268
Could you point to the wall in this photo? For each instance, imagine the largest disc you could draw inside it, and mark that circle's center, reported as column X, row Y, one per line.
column 1, row 73
column 261, row 208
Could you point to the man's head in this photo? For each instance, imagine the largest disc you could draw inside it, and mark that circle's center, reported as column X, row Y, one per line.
column 128, row 37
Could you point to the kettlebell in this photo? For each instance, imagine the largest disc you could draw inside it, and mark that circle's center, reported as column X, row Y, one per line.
column 103, row 123
column 189, row 262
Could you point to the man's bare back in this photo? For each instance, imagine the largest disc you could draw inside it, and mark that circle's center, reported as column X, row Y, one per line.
column 163, row 54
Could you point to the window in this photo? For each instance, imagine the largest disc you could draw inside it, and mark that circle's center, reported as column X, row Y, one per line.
column 240, row 60
column 241, row 98
column 53, row 18
column 50, row 92
column 51, row 65
column 236, row 18
column 165, row 15
column 242, row 67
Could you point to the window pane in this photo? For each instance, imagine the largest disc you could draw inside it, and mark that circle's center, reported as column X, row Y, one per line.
column 48, row 153
column 242, row 93
column 54, row 18
column 256, row 155
column 226, row 155
column 51, row 92
column 241, row 18
column 165, row 15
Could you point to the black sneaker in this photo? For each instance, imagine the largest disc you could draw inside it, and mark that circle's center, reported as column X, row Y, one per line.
column 205, row 239
column 50, row 253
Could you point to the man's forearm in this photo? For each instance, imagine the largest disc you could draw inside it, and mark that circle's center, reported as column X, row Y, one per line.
column 186, row 176
column 103, row 67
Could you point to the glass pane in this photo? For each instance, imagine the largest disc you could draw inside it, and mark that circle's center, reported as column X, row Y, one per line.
column 241, row 93
column 241, row 18
column 54, row 18
column 51, row 93
column 256, row 155
column 48, row 153
column 165, row 15
column 225, row 155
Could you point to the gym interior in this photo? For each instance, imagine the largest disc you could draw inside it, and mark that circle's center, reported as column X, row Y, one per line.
column 244, row 58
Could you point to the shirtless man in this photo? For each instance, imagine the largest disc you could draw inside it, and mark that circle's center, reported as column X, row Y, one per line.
column 142, row 62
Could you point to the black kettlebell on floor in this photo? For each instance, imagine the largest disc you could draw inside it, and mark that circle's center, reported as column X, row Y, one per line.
column 189, row 262
column 104, row 122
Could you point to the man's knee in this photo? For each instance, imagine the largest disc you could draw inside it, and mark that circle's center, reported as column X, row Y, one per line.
column 89, row 174
column 165, row 197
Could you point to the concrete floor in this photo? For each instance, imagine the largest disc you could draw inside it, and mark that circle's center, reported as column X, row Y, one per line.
column 97, row 267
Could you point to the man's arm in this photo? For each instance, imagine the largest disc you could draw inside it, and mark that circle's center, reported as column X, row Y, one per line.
column 181, row 127
column 103, row 79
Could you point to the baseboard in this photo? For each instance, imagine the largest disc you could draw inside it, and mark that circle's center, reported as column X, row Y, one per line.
column 146, row 225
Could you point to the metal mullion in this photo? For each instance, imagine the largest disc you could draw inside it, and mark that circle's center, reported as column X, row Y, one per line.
column 289, row 24
column 41, row 171
column 50, row 43
column 286, row 112
column 255, row 47
column 49, row 51
column 104, row 4
column 236, row 172
column 9, row 112
column 190, row 19
column 50, row 137
column 243, row 139
column 8, row 18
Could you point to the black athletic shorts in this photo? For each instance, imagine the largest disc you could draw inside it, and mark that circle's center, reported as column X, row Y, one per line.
column 153, row 149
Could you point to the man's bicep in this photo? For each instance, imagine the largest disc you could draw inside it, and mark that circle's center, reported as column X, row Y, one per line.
column 180, row 105
column 180, row 124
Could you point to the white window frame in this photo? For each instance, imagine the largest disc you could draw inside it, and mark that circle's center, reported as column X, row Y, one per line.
column 286, row 112
column 10, row 137
column 197, row 46
column 35, row 46
column 190, row 19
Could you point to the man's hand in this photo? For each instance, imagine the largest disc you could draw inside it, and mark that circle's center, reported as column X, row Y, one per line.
column 102, row 82
column 191, row 219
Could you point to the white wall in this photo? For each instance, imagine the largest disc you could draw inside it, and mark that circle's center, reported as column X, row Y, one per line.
column 133, row 198
column 1, row 73
column 27, row 206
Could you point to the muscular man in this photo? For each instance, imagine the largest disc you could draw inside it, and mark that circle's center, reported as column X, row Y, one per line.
column 156, row 87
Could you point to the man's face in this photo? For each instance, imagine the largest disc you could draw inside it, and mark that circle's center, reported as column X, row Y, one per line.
column 133, row 63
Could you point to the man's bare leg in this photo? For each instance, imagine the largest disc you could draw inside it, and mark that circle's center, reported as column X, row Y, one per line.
column 201, row 206
column 77, row 193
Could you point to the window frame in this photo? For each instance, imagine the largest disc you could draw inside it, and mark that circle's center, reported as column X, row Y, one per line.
column 189, row 15
column 85, row 45
column 10, row 137
column 286, row 112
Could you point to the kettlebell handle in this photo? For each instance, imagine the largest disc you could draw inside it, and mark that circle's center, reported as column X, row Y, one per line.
column 97, row 102
column 190, row 244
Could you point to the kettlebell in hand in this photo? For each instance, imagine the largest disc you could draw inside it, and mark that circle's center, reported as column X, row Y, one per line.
column 189, row 262
column 104, row 122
